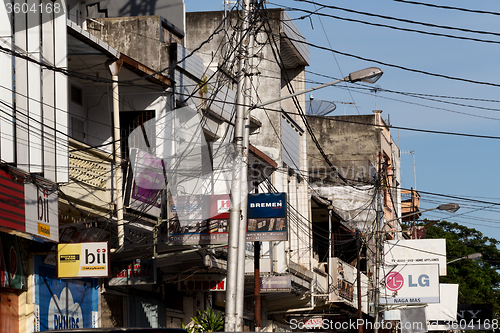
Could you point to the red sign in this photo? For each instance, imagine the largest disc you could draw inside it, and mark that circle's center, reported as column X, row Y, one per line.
column 394, row 281
column 11, row 203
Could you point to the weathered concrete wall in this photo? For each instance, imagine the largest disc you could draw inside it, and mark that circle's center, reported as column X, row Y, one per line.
column 350, row 142
column 143, row 38
column 171, row 10
column 200, row 25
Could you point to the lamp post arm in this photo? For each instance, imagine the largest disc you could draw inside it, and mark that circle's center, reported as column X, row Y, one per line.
column 407, row 215
column 257, row 106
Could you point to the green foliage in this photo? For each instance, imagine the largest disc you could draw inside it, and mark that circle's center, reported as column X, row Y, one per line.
column 206, row 321
column 479, row 280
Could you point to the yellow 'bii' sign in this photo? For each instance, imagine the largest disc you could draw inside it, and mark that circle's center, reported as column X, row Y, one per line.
column 82, row 260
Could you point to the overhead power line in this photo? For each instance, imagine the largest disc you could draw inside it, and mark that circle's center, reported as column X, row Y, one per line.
column 449, row 7
column 390, row 26
column 401, row 20
column 393, row 65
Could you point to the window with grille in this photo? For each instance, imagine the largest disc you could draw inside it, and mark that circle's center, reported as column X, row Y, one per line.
column 129, row 121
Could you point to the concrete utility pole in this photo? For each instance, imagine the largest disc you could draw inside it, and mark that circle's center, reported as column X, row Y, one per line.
column 377, row 234
column 114, row 68
column 358, row 279
column 242, row 238
column 235, row 217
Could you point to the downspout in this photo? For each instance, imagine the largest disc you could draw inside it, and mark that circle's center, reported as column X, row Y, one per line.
column 114, row 68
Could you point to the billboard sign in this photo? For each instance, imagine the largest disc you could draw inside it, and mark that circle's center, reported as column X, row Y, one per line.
column 410, row 284
column 416, row 252
column 128, row 273
column 63, row 304
column 267, row 217
column 83, row 260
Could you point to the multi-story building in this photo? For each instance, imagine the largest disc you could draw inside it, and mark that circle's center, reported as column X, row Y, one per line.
column 99, row 104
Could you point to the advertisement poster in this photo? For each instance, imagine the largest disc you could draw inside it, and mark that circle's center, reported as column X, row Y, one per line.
column 147, row 183
column 138, row 271
column 82, row 260
column 63, row 304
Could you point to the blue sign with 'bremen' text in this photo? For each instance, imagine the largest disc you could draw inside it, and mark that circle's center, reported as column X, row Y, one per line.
column 262, row 205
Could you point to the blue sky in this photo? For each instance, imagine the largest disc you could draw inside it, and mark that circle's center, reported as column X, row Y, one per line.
column 460, row 166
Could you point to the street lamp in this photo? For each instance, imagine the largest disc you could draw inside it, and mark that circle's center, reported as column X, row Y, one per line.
column 451, row 208
column 367, row 75
column 470, row 257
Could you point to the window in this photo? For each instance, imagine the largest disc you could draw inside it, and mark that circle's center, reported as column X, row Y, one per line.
column 129, row 121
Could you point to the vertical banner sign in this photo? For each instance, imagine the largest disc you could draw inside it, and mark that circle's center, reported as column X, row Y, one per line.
column 63, row 304
column 83, row 260
column 267, row 217
column 41, row 212
column 145, row 189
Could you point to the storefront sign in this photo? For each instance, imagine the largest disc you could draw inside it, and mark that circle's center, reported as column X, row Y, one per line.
column 267, row 217
column 411, row 284
column 204, row 282
column 41, row 212
column 270, row 284
column 63, row 304
column 82, row 260
column 28, row 208
column 127, row 273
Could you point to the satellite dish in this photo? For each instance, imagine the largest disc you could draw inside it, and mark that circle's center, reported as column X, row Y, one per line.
column 319, row 108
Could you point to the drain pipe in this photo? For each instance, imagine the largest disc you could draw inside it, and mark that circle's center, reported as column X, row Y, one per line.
column 114, row 68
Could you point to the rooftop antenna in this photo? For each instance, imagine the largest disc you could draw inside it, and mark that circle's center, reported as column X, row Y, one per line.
column 345, row 105
column 374, row 90
column 412, row 152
